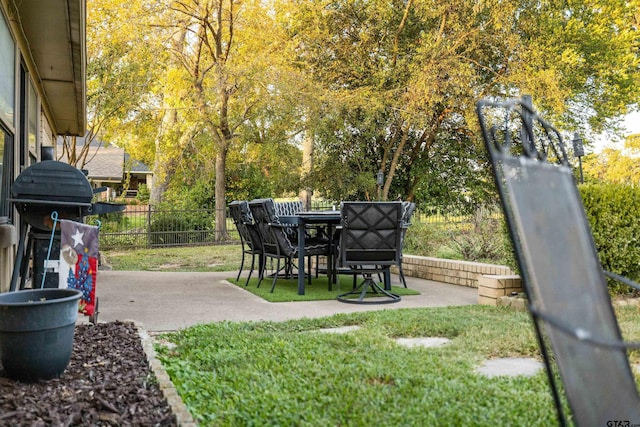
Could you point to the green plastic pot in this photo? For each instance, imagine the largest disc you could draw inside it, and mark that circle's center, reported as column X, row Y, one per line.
column 36, row 332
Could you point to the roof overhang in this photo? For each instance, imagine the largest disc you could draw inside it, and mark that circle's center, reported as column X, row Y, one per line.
column 55, row 33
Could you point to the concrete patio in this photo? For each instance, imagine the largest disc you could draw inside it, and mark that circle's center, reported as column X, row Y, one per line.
column 164, row 301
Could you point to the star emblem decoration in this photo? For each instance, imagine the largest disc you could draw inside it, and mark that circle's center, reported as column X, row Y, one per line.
column 77, row 238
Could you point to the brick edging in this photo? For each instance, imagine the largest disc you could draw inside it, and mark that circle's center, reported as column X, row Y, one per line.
column 179, row 409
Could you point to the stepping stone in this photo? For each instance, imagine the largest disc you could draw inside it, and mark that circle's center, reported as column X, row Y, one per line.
column 423, row 342
column 340, row 330
column 510, row 367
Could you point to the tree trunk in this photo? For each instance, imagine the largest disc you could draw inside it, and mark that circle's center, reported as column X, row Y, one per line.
column 161, row 174
column 161, row 171
column 394, row 164
column 223, row 143
column 307, row 165
column 220, row 194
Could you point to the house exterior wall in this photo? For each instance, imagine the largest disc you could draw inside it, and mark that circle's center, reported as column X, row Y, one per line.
column 47, row 138
column 27, row 129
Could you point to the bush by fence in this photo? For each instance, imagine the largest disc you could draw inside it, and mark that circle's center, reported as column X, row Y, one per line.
column 144, row 227
column 613, row 211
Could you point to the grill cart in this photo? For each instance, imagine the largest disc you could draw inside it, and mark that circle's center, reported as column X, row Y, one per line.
column 47, row 190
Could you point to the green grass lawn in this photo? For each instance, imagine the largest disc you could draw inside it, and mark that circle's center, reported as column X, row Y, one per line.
column 287, row 289
column 289, row 373
column 193, row 258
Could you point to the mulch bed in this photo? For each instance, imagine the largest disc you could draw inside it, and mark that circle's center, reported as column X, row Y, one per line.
column 108, row 382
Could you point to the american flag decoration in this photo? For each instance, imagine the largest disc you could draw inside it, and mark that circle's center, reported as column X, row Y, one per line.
column 79, row 261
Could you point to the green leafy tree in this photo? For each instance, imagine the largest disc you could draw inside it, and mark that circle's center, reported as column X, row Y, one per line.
column 208, row 85
column 118, row 78
column 615, row 166
column 403, row 77
column 222, row 94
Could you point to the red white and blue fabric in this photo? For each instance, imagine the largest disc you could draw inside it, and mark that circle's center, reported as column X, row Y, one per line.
column 79, row 261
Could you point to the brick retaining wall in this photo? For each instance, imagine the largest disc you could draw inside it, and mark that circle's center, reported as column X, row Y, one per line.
column 493, row 287
column 492, row 281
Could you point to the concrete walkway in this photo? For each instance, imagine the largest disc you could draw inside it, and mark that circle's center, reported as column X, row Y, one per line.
column 164, row 301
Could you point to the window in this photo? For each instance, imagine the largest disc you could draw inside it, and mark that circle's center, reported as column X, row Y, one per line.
column 32, row 127
column 28, row 140
column 7, row 111
column 6, row 171
column 7, row 74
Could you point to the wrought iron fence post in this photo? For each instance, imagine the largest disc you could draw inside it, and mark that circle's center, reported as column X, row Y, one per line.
column 149, row 240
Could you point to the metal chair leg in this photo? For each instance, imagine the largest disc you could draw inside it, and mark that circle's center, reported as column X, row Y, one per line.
column 241, row 266
column 361, row 291
column 253, row 262
column 402, row 279
column 275, row 276
column 263, row 261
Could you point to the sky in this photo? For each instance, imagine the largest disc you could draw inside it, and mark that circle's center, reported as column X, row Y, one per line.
column 631, row 123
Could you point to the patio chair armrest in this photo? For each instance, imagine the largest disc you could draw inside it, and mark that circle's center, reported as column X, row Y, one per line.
column 622, row 279
column 582, row 334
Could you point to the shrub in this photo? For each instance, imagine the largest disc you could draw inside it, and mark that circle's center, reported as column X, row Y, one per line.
column 143, row 193
column 482, row 238
column 131, row 239
column 613, row 211
column 424, row 239
column 111, row 222
column 189, row 227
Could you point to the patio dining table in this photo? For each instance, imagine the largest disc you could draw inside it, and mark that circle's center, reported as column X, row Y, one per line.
column 302, row 220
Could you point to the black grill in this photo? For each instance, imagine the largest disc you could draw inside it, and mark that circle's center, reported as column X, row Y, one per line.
column 55, row 186
column 37, row 192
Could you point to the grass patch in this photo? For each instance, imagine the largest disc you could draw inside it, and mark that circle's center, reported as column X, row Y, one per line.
column 286, row 373
column 192, row 258
column 287, row 289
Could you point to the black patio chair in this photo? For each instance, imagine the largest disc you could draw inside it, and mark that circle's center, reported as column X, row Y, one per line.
column 288, row 208
column 370, row 243
column 249, row 236
column 280, row 243
column 565, row 284
column 292, row 208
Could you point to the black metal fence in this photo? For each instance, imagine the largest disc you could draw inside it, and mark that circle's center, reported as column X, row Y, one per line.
column 145, row 227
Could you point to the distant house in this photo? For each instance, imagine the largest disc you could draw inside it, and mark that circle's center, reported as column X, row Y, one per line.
column 138, row 174
column 109, row 166
column 42, row 94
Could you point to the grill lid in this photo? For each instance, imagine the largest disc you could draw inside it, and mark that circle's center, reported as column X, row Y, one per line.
column 52, row 183
column 55, row 186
